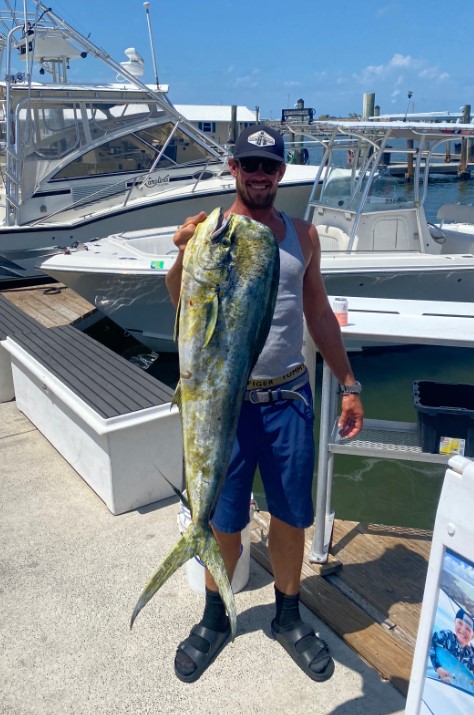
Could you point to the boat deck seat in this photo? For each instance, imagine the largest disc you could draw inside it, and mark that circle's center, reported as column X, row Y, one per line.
column 456, row 213
column 14, row 320
column 332, row 238
column 105, row 381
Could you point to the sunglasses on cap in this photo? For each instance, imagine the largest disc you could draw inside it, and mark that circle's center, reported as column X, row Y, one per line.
column 251, row 164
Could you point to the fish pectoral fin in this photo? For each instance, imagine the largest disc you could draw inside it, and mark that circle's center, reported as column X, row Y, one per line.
column 176, row 399
column 212, row 315
column 184, row 501
column 176, row 320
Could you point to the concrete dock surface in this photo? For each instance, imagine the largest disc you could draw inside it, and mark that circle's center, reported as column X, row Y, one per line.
column 71, row 573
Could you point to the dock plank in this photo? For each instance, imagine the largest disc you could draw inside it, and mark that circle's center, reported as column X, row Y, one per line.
column 51, row 305
column 371, row 569
column 373, row 556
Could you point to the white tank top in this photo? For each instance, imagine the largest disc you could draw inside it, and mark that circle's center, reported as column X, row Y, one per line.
column 283, row 349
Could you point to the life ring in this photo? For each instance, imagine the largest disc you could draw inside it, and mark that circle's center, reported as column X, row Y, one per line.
column 290, row 157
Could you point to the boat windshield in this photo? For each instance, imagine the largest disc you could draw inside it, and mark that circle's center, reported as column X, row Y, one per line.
column 358, row 178
column 63, row 140
column 137, row 152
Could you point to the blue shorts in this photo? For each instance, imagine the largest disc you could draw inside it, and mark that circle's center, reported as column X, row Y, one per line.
column 277, row 438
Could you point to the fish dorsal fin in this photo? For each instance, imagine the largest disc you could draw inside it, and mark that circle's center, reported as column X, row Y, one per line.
column 212, row 314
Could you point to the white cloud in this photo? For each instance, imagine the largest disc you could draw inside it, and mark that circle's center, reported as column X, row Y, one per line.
column 402, row 61
column 411, row 67
column 250, row 80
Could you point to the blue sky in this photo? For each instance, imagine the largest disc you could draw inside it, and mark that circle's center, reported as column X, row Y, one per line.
column 271, row 53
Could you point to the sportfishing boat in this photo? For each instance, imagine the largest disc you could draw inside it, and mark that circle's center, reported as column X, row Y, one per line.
column 87, row 160
column 369, row 212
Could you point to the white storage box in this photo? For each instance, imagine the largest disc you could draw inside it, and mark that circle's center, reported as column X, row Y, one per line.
column 123, row 458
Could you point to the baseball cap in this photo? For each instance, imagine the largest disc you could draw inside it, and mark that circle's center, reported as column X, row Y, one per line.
column 259, row 140
column 464, row 616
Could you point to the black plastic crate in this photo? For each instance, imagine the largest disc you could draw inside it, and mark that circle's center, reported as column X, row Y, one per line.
column 444, row 410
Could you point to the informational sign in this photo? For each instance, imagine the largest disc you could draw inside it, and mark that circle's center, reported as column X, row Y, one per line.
column 298, row 115
column 442, row 678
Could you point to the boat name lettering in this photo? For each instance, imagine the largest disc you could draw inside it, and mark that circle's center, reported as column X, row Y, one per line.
column 398, row 200
column 155, row 181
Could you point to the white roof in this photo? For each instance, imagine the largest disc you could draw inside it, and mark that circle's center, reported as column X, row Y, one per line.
column 214, row 113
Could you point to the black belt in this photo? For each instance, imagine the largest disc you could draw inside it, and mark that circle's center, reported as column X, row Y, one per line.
column 287, row 391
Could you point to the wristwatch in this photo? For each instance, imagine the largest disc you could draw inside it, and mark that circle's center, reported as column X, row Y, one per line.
column 354, row 389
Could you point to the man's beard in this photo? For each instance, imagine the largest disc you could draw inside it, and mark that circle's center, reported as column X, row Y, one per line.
column 264, row 201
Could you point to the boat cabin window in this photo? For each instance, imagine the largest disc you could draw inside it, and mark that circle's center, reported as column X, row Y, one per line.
column 137, row 152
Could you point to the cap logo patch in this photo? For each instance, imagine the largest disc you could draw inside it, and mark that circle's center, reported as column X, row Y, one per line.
column 261, row 138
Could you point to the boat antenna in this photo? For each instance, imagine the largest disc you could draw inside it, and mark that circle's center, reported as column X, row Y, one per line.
column 146, row 5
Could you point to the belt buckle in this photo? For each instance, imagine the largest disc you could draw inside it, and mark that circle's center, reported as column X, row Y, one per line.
column 253, row 397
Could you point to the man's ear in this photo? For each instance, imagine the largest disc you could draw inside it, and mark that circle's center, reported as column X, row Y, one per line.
column 233, row 166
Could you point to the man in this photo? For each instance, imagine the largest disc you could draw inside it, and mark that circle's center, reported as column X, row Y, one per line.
column 274, row 434
column 457, row 643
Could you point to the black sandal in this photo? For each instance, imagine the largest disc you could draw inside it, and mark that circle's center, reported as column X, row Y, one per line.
column 202, row 659
column 316, row 652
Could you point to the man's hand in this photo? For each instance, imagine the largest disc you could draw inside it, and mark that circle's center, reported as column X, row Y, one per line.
column 444, row 675
column 186, row 231
column 352, row 416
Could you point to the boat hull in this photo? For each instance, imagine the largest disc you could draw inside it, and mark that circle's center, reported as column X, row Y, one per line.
column 24, row 248
column 443, row 284
column 137, row 300
column 139, row 304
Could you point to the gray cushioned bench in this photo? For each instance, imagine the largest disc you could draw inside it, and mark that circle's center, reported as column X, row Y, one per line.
column 107, row 382
column 14, row 320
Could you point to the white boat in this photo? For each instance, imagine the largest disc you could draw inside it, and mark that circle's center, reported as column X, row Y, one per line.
column 369, row 212
column 376, row 241
column 88, row 160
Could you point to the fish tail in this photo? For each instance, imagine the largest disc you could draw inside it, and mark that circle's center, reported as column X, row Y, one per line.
column 184, row 550
column 211, row 556
column 196, row 541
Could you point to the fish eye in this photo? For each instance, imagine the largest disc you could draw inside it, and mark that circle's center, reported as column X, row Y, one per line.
column 225, row 241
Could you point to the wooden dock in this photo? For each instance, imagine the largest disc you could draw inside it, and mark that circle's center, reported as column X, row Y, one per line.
column 451, row 168
column 51, row 304
column 369, row 592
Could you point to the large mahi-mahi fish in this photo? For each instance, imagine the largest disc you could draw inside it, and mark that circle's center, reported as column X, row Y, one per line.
column 230, row 280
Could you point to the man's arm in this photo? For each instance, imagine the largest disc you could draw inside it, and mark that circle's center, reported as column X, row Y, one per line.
column 184, row 233
column 325, row 331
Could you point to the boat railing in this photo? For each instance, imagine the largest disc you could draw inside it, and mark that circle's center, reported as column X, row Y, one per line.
column 155, row 163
